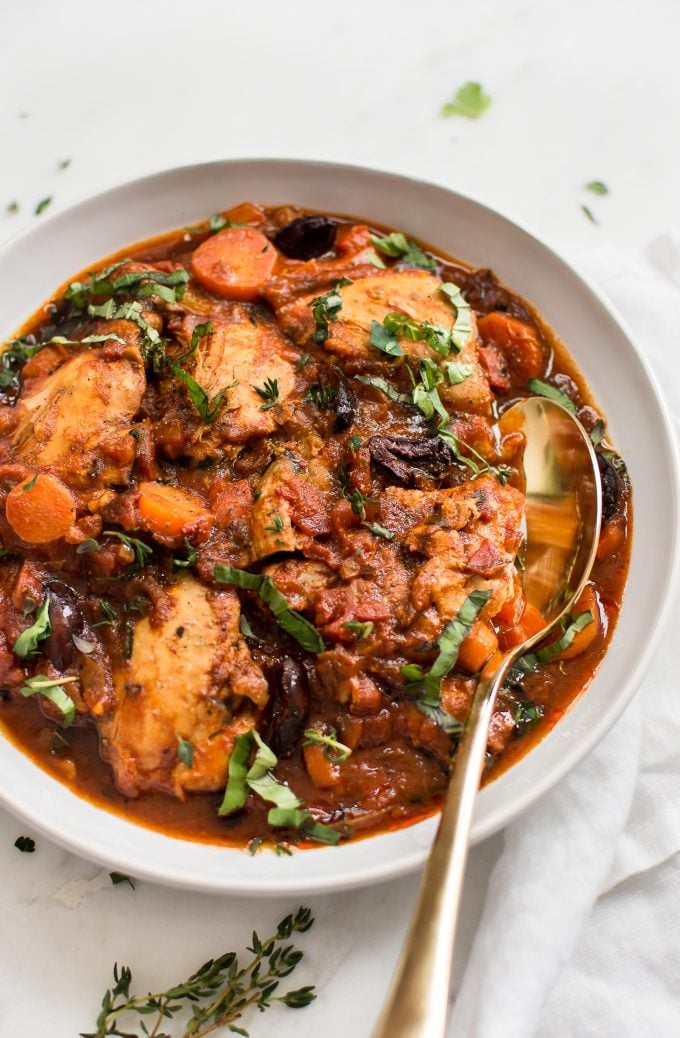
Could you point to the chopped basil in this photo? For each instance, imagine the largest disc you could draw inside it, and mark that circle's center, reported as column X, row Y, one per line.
column 29, row 486
column 200, row 332
column 192, row 556
column 533, row 660
column 142, row 551
column 384, row 340
column 52, row 690
column 386, row 388
column 375, row 261
column 527, row 713
column 380, row 531
column 42, row 205
column 589, row 213
column 428, row 690
column 303, row 821
column 539, row 388
column 597, row 187
column 246, row 629
column 462, row 326
column 59, row 340
column 26, row 645
column 597, row 433
column 326, row 308
column 25, row 844
column 361, row 629
column 469, row 101
column 357, row 501
column 425, row 394
column 355, row 442
column 335, row 751
column 208, row 409
column 140, row 284
column 269, row 393
column 398, row 246
column 292, row 622
column 447, row 722
column 120, row 877
column 458, row 373
column 185, row 751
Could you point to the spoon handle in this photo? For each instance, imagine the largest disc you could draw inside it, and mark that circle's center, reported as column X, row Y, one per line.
column 417, row 1004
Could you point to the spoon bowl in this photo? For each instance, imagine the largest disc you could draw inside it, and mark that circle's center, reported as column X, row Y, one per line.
column 563, row 518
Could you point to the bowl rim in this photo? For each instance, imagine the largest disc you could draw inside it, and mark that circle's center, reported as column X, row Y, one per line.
column 497, row 817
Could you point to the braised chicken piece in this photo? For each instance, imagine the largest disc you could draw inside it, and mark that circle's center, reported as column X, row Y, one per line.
column 190, row 676
column 260, row 532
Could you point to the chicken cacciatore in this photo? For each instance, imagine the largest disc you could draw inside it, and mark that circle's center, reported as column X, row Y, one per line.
column 260, row 531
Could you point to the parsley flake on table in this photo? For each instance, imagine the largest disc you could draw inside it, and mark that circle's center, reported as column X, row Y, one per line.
column 25, row 844
column 598, row 187
column 42, row 205
column 469, row 101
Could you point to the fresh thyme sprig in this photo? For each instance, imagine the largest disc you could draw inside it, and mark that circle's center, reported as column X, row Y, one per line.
column 217, row 994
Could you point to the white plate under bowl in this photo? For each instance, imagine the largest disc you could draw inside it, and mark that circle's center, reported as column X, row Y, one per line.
column 37, row 261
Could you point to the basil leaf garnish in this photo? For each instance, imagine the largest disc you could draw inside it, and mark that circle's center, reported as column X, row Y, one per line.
column 462, row 326
column 292, row 622
column 539, row 388
column 52, row 690
column 26, row 644
column 533, row 660
column 398, row 246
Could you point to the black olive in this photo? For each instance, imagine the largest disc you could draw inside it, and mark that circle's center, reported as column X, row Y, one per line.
column 65, row 621
column 345, row 405
column 306, row 237
column 610, row 487
column 403, row 458
column 290, row 709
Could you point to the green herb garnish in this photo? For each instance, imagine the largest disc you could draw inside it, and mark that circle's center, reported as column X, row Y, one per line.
column 380, row 531
column 335, row 751
column 26, row 645
column 428, row 684
column 469, row 101
column 398, row 246
column 458, row 373
column 589, row 214
column 31, row 483
column 217, row 994
column 539, row 388
column 292, row 622
column 52, row 690
column 185, row 751
column 597, row 433
column 533, row 660
column 142, row 551
column 386, row 388
column 192, row 556
column 361, row 629
column 117, row 878
column 462, row 326
column 323, row 395
column 42, row 205
column 269, row 392
column 12, row 207
column 108, row 613
column 597, row 187
column 208, row 409
column 326, row 308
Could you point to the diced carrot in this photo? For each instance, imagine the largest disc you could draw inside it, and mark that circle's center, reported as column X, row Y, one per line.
column 322, row 771
column 246, row 212
column 584, row 638
column 611, row 538
column 532, row 620
column 518, row 343
column 234, row 263
column 40, row 509
column 170, row 512
column 476, row 648
column 511, row 611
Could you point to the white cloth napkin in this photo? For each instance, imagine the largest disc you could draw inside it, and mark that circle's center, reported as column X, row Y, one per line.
column 580, row 934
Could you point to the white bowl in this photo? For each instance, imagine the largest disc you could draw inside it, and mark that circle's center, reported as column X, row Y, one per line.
column 37, row 261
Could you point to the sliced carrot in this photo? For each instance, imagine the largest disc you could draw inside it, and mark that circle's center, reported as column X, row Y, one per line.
column 517, row 341
column 477, row 647
column 40, row 509
column 611, row 538
column 170, row 512
column 587, row 636
column 234, row 263
column 322, row 771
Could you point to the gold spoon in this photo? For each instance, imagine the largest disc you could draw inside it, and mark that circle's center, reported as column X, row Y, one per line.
column 563, row 514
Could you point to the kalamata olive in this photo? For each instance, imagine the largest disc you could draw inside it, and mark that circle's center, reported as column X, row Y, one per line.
column 290, row 710
column 65, row 621
column 306, row 237
column 610, row 487
column 403, row 457
column 345, row 405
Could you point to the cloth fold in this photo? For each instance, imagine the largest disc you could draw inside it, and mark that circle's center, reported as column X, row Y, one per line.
column 580, row 932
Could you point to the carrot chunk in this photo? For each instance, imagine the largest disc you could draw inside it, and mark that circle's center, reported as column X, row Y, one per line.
column 40, row 509
column 584, row 638
column 477, row 647
column 517, row 342
column 168, row 511
column 322, row 771
column 235, row 263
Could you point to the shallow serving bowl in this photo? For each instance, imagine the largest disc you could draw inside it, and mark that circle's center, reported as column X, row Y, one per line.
column 42, row 258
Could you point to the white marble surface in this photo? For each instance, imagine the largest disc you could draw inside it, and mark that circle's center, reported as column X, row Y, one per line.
column 581, row 91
